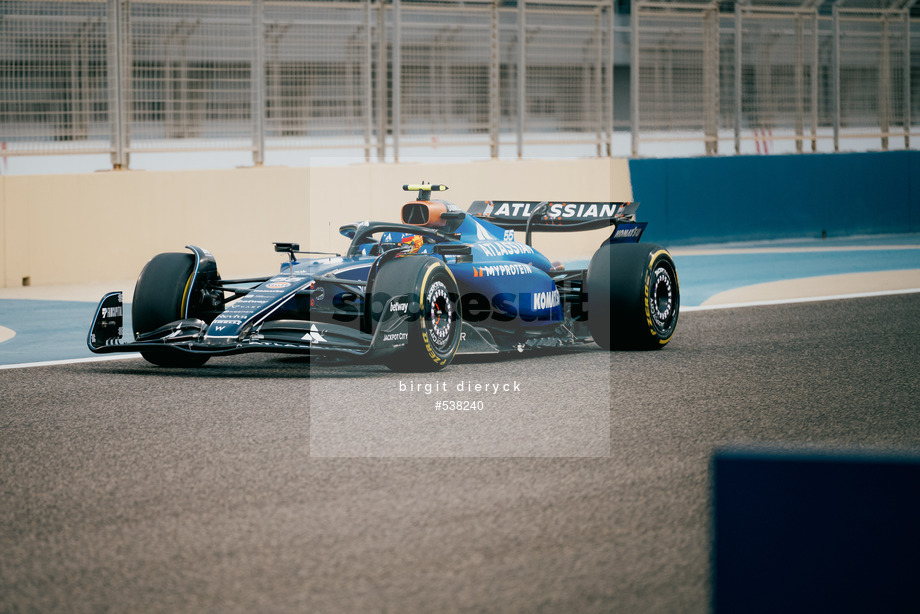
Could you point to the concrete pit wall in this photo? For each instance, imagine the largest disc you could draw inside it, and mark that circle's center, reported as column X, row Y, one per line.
column 65, row 229
column 101, row 227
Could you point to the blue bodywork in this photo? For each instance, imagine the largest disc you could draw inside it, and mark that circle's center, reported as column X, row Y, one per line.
column 511, row 295
column 513, row 278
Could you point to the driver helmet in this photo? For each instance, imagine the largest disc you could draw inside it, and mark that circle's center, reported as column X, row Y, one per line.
column 414, row 242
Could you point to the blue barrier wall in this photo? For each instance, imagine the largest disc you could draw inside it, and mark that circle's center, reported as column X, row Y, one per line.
column 744, row 198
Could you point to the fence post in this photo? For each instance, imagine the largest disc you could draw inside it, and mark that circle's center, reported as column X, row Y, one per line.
column 634, row 77
column 257, row 83
column 116, row 50
column 835, row 69
column 799, row 82
column 397, row 77
column 611, row 70
column 599, row 80
column 521, row 76
column 711, row 78
column 814, row 82
column 495, row 111
column 739, row 67
column 907, row 76
column 381, row 81
column 368, row 80
column 884, row 84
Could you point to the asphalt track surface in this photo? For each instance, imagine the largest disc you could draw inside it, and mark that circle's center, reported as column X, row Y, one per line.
column 129, row 488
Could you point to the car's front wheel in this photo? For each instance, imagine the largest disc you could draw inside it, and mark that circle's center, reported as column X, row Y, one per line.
column 434, row 310
column 161, row 296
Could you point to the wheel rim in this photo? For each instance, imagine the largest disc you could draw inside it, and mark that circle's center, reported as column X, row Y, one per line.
column 662, row 299
column 439, row 316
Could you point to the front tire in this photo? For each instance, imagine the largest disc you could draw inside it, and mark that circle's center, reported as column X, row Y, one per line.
column 160, row 297
column 434, row 328
column 633, row 286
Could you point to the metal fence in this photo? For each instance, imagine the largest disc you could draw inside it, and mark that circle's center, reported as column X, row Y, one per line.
column 380, row 76
column 750, row 73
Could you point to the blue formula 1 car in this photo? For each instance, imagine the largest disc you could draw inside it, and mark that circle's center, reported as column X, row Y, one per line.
column 410, row 295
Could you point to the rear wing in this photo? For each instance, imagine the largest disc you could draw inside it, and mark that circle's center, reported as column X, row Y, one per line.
column 549, row 216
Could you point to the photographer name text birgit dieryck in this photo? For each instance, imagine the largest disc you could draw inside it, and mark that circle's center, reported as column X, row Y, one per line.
column 467, row 386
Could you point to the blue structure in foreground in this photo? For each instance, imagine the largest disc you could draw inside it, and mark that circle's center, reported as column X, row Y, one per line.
column 815, row 531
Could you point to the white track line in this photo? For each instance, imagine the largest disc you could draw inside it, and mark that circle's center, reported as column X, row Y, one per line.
column 805, row 299
column 72, row 361
column 810, row 299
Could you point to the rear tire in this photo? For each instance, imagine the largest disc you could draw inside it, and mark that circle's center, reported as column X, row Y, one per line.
column 434, row 329
column 160, row 297
column 635, row 286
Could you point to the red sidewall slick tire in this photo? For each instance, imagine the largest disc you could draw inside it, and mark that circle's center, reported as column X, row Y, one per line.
column 633, row 296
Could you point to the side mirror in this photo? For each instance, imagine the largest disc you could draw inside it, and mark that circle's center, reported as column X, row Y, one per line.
column 287, row 247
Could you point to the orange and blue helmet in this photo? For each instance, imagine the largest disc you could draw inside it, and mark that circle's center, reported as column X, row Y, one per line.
column 414, row 241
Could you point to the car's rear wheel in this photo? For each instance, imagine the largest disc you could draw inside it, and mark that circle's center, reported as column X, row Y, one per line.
column 434, row 310
column 633, row 296
column 160, row 297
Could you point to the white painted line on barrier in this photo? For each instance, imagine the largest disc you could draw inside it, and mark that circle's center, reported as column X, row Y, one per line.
column 72, row 361
column 804, row 299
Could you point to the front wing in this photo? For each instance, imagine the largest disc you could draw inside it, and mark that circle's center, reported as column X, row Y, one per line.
column 279, row 336
column 283, row 336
